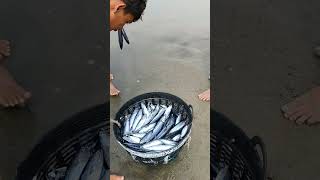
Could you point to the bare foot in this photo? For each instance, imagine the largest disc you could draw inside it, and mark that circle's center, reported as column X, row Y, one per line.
column 113, row 90
column 305, row 108
column 205, row 96
column 115, row 177
column 4, row 49
column 11, row 94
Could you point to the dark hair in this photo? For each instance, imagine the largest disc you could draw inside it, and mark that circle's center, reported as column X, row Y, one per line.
column 135, row 8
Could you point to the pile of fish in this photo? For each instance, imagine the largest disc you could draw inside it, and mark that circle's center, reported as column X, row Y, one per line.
column 91, row 163
column 153, row 128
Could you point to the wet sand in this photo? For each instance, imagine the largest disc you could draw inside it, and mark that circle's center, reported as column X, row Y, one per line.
column 167, row 53
column 263, row 57
column 54, row 45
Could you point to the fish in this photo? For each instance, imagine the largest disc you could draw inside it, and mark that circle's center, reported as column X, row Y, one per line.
column 137, row 120
column 126, row 127
column 177, row 127
column 105, row 144
column 94, row 167
column 148, row 137
column 158, row 128
column 152, row 106
column 176, row 138
column 178, row 119
column 224, row 174
column 133, row 116
column 159, row 148
column 144, row 109
column 78, row 164
column 132, row 139
column 133, row 146
column 147, row 128
column 168, row 126
column 152, row 115
column 152, row 143
column 120, row 38
column 124, row 34
column 141, row 123
column 149, row 107
column 184, row 131
column 167, row 112
column 161, row 133
column 157, row 117
column 168, row 142
column 139, row 135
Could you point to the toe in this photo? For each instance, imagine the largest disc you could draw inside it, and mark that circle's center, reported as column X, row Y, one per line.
column 302, row 119
column 296, row 115
column 291, row 111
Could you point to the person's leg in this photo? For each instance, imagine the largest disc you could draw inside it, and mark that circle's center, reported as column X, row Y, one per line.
column 113, row 90
column 305, row 108
column 11, row 94
column 4, row 49
column 205, row 96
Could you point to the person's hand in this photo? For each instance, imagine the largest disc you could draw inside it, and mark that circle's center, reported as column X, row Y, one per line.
column 115, row 177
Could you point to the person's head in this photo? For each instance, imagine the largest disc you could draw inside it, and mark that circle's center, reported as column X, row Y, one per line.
column 124, row 12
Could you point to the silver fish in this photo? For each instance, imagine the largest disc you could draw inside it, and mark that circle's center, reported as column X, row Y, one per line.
column 152, row 106
column 160, row 113
column 132, row 139
column 144, row 109
column 224, row 174
column 139, row 135
column 176, row 138
column 133, row 116
column 147, row 128
column 126, row 127
column 141, row 123
column 135, row 147
column 168, row 126
column 78, row 164
column 148, row 137
column 159, row 148
column 152, row 115
column 178, row 119
column 177, row 127
column 137, row 120
column 168, row 142
column 94, row 167
column 167, row 112
column 184, row 131
column 152, row 143
column 159, row 125
column 158, row 128
column 161, row 133
column 149, row 107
